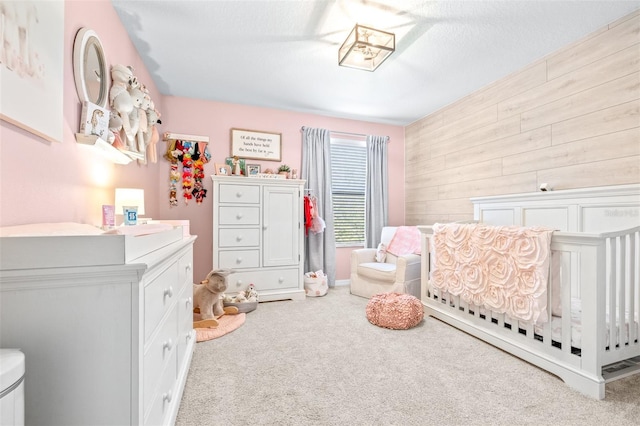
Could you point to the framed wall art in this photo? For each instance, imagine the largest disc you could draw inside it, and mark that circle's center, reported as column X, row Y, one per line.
column 32, row 68
column 256, row 145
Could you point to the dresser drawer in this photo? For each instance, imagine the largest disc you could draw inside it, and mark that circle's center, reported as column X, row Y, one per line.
column 185, row 268
column 163, row 397
column 249, row 194
column 159, row 296
column 185, row 321
column 160, row 355
column 239, row 215
column 239, row 237
column 263, row 280
column 237, row 259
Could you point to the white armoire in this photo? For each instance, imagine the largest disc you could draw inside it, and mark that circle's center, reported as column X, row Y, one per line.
column 258, row 231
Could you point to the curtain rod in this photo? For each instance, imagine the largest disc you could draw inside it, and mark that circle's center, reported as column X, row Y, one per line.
column 347, row 133
column 339, row 133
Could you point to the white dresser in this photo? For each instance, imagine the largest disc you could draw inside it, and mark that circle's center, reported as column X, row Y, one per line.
column 258, row 231
column 105, row 323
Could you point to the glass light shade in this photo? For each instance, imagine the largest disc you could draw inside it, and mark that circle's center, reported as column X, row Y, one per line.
column 366, row 48
column 129, row 197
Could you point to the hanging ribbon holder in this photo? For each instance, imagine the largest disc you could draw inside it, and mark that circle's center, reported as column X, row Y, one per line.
column 191, row 153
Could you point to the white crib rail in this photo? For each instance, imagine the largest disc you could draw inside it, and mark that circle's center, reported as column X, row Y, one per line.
column 603, row 271
column 623, row 293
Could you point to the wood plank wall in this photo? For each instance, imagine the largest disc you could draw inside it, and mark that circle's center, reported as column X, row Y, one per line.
column 571, row 120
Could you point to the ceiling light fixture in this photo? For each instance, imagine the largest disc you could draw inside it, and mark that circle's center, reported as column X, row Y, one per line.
column 366, row 48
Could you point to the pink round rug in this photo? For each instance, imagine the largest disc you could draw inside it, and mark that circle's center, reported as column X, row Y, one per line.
column 226, row 324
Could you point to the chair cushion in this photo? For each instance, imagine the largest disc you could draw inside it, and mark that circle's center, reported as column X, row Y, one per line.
column 378, row 271
column 395, row 311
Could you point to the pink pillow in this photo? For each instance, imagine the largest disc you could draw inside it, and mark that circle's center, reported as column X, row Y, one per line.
column 406, row 240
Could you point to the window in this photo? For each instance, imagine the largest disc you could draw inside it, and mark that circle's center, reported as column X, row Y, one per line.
column 348, row 180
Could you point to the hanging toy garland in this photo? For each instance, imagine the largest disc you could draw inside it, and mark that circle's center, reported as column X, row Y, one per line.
column 187, row 171
column 174, row 175
column 192, row 156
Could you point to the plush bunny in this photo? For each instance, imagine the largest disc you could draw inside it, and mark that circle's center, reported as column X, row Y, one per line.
column 206, row 295
column 120, row 99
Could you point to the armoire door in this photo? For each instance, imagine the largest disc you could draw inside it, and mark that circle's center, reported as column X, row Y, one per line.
column 281, row 226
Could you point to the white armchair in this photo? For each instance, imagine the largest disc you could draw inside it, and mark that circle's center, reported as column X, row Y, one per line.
column 399, row 274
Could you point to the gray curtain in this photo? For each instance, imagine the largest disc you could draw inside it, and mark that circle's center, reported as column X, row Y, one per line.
column 376, row 212
column 320, row 249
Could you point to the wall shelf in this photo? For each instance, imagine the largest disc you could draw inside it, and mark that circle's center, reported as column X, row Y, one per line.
column 168, row 136
column 104, row 148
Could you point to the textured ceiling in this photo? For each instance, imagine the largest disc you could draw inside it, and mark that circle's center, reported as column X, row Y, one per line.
column 283, row 54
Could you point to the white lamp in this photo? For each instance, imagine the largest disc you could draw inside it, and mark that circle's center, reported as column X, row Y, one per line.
column 129, row 197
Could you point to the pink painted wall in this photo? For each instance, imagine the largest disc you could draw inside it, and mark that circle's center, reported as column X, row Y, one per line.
column 64, row 182
column 215, row 119
column 44, row 181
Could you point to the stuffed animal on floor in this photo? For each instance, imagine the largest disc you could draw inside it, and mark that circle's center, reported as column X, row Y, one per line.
column 207, row 300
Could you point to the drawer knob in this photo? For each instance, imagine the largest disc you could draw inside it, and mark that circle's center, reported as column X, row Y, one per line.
column 188, row 267
column 166, row 397
column 168, row 292
column 239, row 260
column 168, row 345
column 281, row 279
column 189, row 301
column 239, row 216
column 238, row 283
column 239, row 238
column 238, row 194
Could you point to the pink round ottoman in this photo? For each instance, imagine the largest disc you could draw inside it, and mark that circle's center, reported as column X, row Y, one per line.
column 395, row 310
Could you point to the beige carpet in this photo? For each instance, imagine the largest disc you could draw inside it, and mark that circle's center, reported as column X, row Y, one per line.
column 320, row 362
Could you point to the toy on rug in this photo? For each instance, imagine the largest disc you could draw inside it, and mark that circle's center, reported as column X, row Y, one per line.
column 207, row 299
column 248, row 295
column 245, row 301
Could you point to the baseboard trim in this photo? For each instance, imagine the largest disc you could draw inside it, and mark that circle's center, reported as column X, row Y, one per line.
column 342, row 282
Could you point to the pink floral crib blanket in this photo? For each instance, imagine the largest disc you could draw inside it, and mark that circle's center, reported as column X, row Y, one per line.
column 502, row 268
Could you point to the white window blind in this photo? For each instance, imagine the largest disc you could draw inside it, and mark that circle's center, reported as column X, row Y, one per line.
column 348, row 179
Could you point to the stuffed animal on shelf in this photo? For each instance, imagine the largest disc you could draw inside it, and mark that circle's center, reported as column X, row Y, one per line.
column 114, row 137
column 207, row 298
column 120, row 99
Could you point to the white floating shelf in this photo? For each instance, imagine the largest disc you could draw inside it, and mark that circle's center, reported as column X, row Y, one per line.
column 168, row 136
column 105, row 148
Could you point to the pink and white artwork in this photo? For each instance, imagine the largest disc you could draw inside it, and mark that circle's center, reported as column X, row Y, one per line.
column 31, row 66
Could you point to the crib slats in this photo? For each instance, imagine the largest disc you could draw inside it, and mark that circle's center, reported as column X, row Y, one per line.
column 612, row 284
column 631, row 287
column 568, row 276
column 623, row 283
column 623, row 298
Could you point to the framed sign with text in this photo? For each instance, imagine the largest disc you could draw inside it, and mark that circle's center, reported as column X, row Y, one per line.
column 256, row 145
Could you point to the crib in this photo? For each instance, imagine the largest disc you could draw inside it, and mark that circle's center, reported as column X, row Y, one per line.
column 595, row 255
